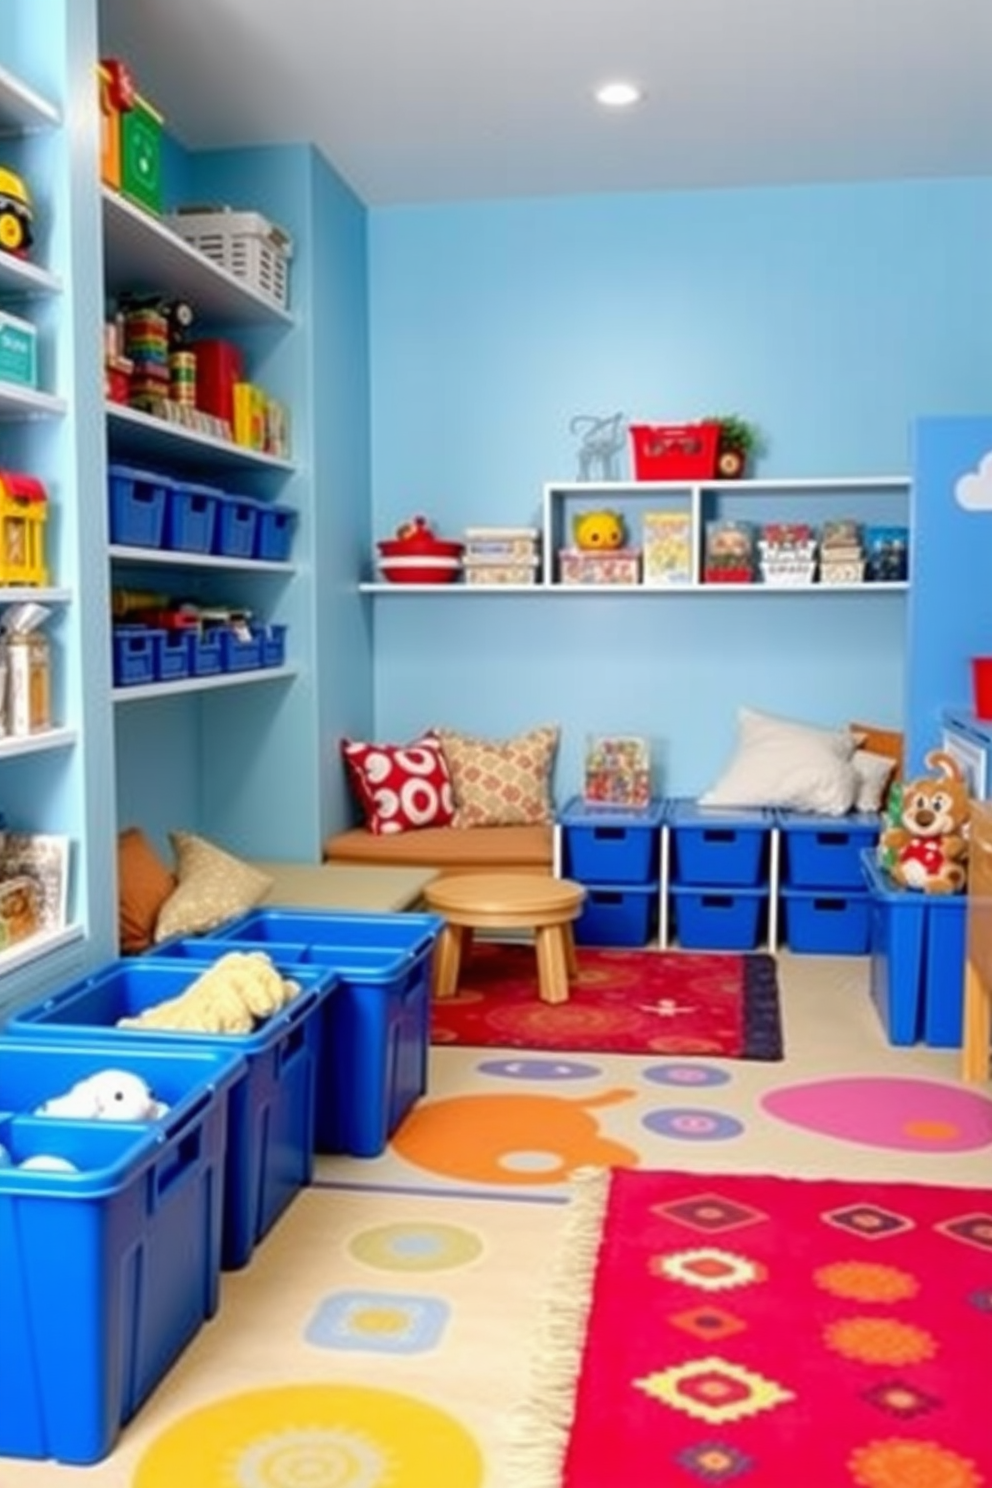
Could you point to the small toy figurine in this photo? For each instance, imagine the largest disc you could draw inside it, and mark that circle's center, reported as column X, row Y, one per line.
column 109, row 1095
column 598, row 531
column 16, row 214
column 925, row 843
column 602, row 441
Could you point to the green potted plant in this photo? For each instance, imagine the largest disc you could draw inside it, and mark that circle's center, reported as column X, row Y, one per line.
column 739, row 442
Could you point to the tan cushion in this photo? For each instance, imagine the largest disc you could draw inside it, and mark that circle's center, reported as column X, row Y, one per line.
column 213, row 886
column 144, row 883
column 482, row 849
column 501, row 782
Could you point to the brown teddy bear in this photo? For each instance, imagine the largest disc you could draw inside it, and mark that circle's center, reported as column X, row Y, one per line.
column 925, row 842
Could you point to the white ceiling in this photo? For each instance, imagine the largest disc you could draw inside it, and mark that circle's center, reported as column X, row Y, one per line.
column 437, row 100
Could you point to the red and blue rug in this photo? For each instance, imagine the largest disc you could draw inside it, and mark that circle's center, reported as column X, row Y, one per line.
column 715, row 1330
column 725, row 1005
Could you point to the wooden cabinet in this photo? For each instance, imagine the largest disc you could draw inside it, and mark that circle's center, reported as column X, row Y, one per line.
column 978, row 963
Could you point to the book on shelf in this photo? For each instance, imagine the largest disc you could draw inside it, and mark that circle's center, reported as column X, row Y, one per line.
column 34, row 884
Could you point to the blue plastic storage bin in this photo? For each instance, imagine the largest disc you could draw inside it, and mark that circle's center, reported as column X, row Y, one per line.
column 271, row 1111
column 236, row 526
column 190, row 517
column 239, row 653
column 170, row 655
column 918, row 947
column 137, row 506
column 206, row 656
column 273, row 640
column 106, row 1274
column 718, row 846
column 274, row 533
column 134, row 655
column 825, row 851
column 374, row 1065
column 718, row 918
column 827, row 922
column 617, row 915
column 603, row 845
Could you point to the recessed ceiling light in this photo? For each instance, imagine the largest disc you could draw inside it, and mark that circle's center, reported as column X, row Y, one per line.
column 618, row 95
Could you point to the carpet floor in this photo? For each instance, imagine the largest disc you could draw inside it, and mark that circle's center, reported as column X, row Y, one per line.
column 396, row 1300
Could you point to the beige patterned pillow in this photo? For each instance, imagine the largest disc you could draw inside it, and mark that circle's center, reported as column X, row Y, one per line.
column 501, row 783
column 213, row 886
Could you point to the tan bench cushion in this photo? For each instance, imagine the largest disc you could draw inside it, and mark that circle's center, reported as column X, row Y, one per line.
column 449, row 849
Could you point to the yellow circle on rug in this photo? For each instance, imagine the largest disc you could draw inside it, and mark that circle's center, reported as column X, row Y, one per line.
column 314, row 1436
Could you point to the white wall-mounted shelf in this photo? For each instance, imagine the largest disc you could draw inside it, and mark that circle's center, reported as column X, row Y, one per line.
column 44, row 739
column 28, row 594
column 144, row 690
column 171, row 558
column 139, row 435
column 143, row 254
column 23, row 110
column 18, row 276
column 18, row 402
column 37, row 946
column 641, row 591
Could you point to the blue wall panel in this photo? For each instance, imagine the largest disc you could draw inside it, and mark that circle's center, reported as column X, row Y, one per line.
column 832, row 316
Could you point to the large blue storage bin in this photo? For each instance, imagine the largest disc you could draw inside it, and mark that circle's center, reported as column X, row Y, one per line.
column 826, row 922
column 134, row 655
column 825, row 851
column 605, row 846
column 374, row 1065
column 274, row 533
column 271, row 1111
column 718, row 918
column 918, row 947
column 137, row 506
column 236, row 526
column 105, row 1274
column 617, row 915
column 190, row 517
column 718, row 846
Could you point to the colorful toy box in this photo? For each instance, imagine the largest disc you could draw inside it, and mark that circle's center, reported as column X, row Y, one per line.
column 618, row 566
column 23, row 517
column 18, row 350
column 667, row 545
column 130, row 137
column 617, row 772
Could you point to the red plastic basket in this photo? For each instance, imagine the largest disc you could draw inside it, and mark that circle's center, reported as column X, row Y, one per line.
column 675, row 451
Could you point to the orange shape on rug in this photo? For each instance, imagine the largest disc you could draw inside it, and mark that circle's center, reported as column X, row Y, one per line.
column 511, row 1139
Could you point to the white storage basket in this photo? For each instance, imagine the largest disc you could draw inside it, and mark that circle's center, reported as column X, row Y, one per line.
column 246, row 244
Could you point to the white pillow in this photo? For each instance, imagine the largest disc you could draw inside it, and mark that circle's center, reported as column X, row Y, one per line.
column 792, row 765
column 874, row 771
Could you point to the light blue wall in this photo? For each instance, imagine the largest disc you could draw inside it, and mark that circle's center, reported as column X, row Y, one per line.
column 831, row 316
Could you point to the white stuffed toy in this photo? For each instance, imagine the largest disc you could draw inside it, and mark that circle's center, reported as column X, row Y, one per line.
column 109, row 1095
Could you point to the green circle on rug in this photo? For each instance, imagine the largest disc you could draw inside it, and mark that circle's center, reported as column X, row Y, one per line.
column 416, row 1247
column 324, row 1436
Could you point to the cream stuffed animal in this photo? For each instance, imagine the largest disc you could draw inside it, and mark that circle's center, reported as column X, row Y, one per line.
column 240, row 989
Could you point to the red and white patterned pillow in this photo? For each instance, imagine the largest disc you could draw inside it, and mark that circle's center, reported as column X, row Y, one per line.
column 400, row 787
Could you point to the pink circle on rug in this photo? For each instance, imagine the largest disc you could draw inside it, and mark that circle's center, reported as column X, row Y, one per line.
column 887, row 1111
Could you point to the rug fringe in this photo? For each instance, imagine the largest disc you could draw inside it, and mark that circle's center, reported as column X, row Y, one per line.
column 538, row 1427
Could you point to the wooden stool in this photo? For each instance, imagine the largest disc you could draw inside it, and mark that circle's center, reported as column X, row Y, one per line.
column 507, row 901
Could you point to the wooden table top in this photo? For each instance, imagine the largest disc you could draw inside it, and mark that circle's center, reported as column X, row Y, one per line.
column 524, row 894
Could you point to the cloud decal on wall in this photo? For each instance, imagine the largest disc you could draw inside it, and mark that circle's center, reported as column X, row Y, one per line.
column 974, row 490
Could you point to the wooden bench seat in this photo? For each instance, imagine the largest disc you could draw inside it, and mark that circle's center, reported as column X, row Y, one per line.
column 449, row 850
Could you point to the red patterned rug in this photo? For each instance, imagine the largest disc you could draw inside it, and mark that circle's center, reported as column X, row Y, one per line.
column 762, row 1332
column 623, row 1002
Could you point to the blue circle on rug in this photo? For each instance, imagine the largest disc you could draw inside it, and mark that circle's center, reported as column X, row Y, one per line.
column 688, row 1124
column 539, row 1069
column 688, row 1076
